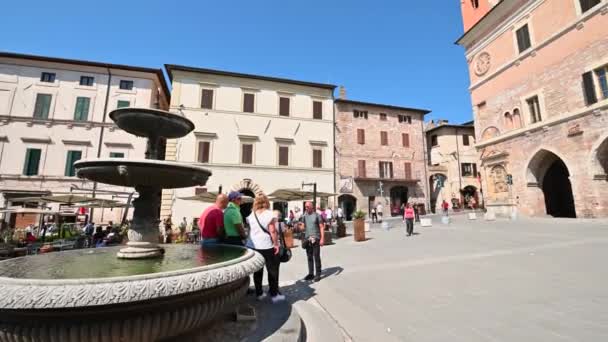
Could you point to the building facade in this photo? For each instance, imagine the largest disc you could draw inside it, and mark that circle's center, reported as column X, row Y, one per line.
column 453, row 170
column 256, row 134
column 540, row 95
column 380, row 156
column 53, row 112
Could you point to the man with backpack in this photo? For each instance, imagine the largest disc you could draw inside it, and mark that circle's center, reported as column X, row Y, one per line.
column 314, row 235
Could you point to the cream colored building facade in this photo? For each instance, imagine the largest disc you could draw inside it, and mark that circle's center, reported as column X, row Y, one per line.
column 453, row 162
column 53, row 111
column 256, row 134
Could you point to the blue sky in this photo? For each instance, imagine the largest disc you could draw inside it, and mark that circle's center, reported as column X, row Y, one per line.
column 396, row 52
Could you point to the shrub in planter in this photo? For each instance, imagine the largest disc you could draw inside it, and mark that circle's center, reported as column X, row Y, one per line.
column 359, row 225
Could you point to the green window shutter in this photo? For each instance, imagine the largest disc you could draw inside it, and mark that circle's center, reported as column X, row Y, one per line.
column 32, row 161
column 43, row 106
column 123, row 104
column 117, row 155
column 73, row 156
column 81, row 112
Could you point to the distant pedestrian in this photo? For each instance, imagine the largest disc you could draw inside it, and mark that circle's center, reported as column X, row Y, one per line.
column 292, row 216
column 340, row 215
column 314, row 237
column 408, row 218
column 445, row 206
column 374, row 216
column 417, row 212
column 379, row 211
column 264, row 239
column 211, row 221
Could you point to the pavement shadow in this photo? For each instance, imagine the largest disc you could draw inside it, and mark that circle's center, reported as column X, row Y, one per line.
column 332, row 271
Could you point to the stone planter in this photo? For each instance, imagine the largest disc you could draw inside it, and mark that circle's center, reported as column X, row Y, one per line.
column 359, row 228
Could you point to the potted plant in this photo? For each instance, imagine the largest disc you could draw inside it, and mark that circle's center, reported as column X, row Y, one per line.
column 359, row 225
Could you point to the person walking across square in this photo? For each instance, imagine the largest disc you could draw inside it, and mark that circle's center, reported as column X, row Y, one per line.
column 314, row 237
column 408, row 218
column 379, row 211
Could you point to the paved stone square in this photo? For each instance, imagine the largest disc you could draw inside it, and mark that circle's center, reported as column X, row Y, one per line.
column 528, row 280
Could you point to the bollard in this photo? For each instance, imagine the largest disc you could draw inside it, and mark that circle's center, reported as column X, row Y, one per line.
column 426, row 222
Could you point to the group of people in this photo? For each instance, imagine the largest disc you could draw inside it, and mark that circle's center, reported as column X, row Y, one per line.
column 222, row 223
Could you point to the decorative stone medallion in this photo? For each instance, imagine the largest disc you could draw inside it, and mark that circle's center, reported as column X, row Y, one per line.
column 482, row 64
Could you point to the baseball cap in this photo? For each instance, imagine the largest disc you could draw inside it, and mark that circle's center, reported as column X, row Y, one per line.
column 234, row 195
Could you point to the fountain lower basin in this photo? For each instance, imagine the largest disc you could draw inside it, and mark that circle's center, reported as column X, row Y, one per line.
column 90, row 294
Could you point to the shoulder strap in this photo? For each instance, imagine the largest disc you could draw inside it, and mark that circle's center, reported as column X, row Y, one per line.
column 258, row 220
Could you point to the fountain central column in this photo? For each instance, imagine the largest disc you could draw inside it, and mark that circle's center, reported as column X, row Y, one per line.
column 143, row 233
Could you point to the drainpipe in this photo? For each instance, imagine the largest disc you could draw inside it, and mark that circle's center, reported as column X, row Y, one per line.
column 333, row 128
column 102, row 131
column 459, row 166
column 424, row 151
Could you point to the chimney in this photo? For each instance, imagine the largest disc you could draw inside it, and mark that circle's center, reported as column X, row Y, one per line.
column 342, row 93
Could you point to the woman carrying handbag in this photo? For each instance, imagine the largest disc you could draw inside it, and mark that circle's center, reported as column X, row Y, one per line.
column 264, row 238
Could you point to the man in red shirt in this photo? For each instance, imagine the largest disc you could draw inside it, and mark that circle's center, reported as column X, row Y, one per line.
column 211, row 221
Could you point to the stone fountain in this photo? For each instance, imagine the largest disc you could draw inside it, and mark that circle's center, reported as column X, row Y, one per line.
column 142, row 292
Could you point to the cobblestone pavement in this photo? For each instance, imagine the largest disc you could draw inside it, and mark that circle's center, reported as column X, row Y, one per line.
column 528, row 280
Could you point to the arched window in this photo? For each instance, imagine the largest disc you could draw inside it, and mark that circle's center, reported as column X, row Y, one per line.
column 475, row 3
column 516, row 119
column 508, row 121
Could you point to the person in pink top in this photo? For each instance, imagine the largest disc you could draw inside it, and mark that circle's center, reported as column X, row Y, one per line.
column 408, row 218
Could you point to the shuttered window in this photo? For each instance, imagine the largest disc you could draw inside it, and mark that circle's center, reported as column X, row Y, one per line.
column 87, row 81
column 317, row 158
column 117, row 155
column 361, row 169
column 407, row 167
column 207, row 99
column 284, row 106
column 383, row 138
column 602, row 78
column 81, row 111
column 589, row 88
column 469, row 169
column 434, row 141
column 126, row 85
column 317, row 110
column 588, row 4
column 248, row 103
column 47, row 77
column 361, row 136
column 523, row 38
column 72, row 157
column 534, row 108
column 283, row 155
column 465, row 140
column 123, row 104
column 203, row 151
column 247, row 153
column 386, row 169
column 382, row 116
column 405, row 139
column 43, row 106
column 32, row 161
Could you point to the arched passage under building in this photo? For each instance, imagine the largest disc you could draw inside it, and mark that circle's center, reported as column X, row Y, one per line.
column 348, row 204
column 470, row 197
column 551, row 174
column 398, row 199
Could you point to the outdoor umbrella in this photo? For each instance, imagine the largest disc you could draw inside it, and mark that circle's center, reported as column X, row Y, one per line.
column 68, row 199
column 209, row 197
column 288, row 195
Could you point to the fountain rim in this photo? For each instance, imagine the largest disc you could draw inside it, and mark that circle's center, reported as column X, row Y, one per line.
column 75, row 281
column 72, row 294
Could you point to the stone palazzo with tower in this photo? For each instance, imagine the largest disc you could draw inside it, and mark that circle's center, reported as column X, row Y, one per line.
column 540, row 98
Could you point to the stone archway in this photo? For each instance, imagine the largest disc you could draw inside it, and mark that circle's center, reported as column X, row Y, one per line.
column 248, row 188
column 547, row 171
column 348, row 203
column 399, row 196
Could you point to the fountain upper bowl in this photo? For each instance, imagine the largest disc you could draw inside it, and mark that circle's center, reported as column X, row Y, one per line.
column 145, row 122
column 144, row 172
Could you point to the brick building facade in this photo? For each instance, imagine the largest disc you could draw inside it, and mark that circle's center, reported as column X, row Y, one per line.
column 379, row 144
column 540, row 97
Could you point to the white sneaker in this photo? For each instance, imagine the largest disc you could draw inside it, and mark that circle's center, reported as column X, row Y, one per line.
column 278, row 298
column 262, row 297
